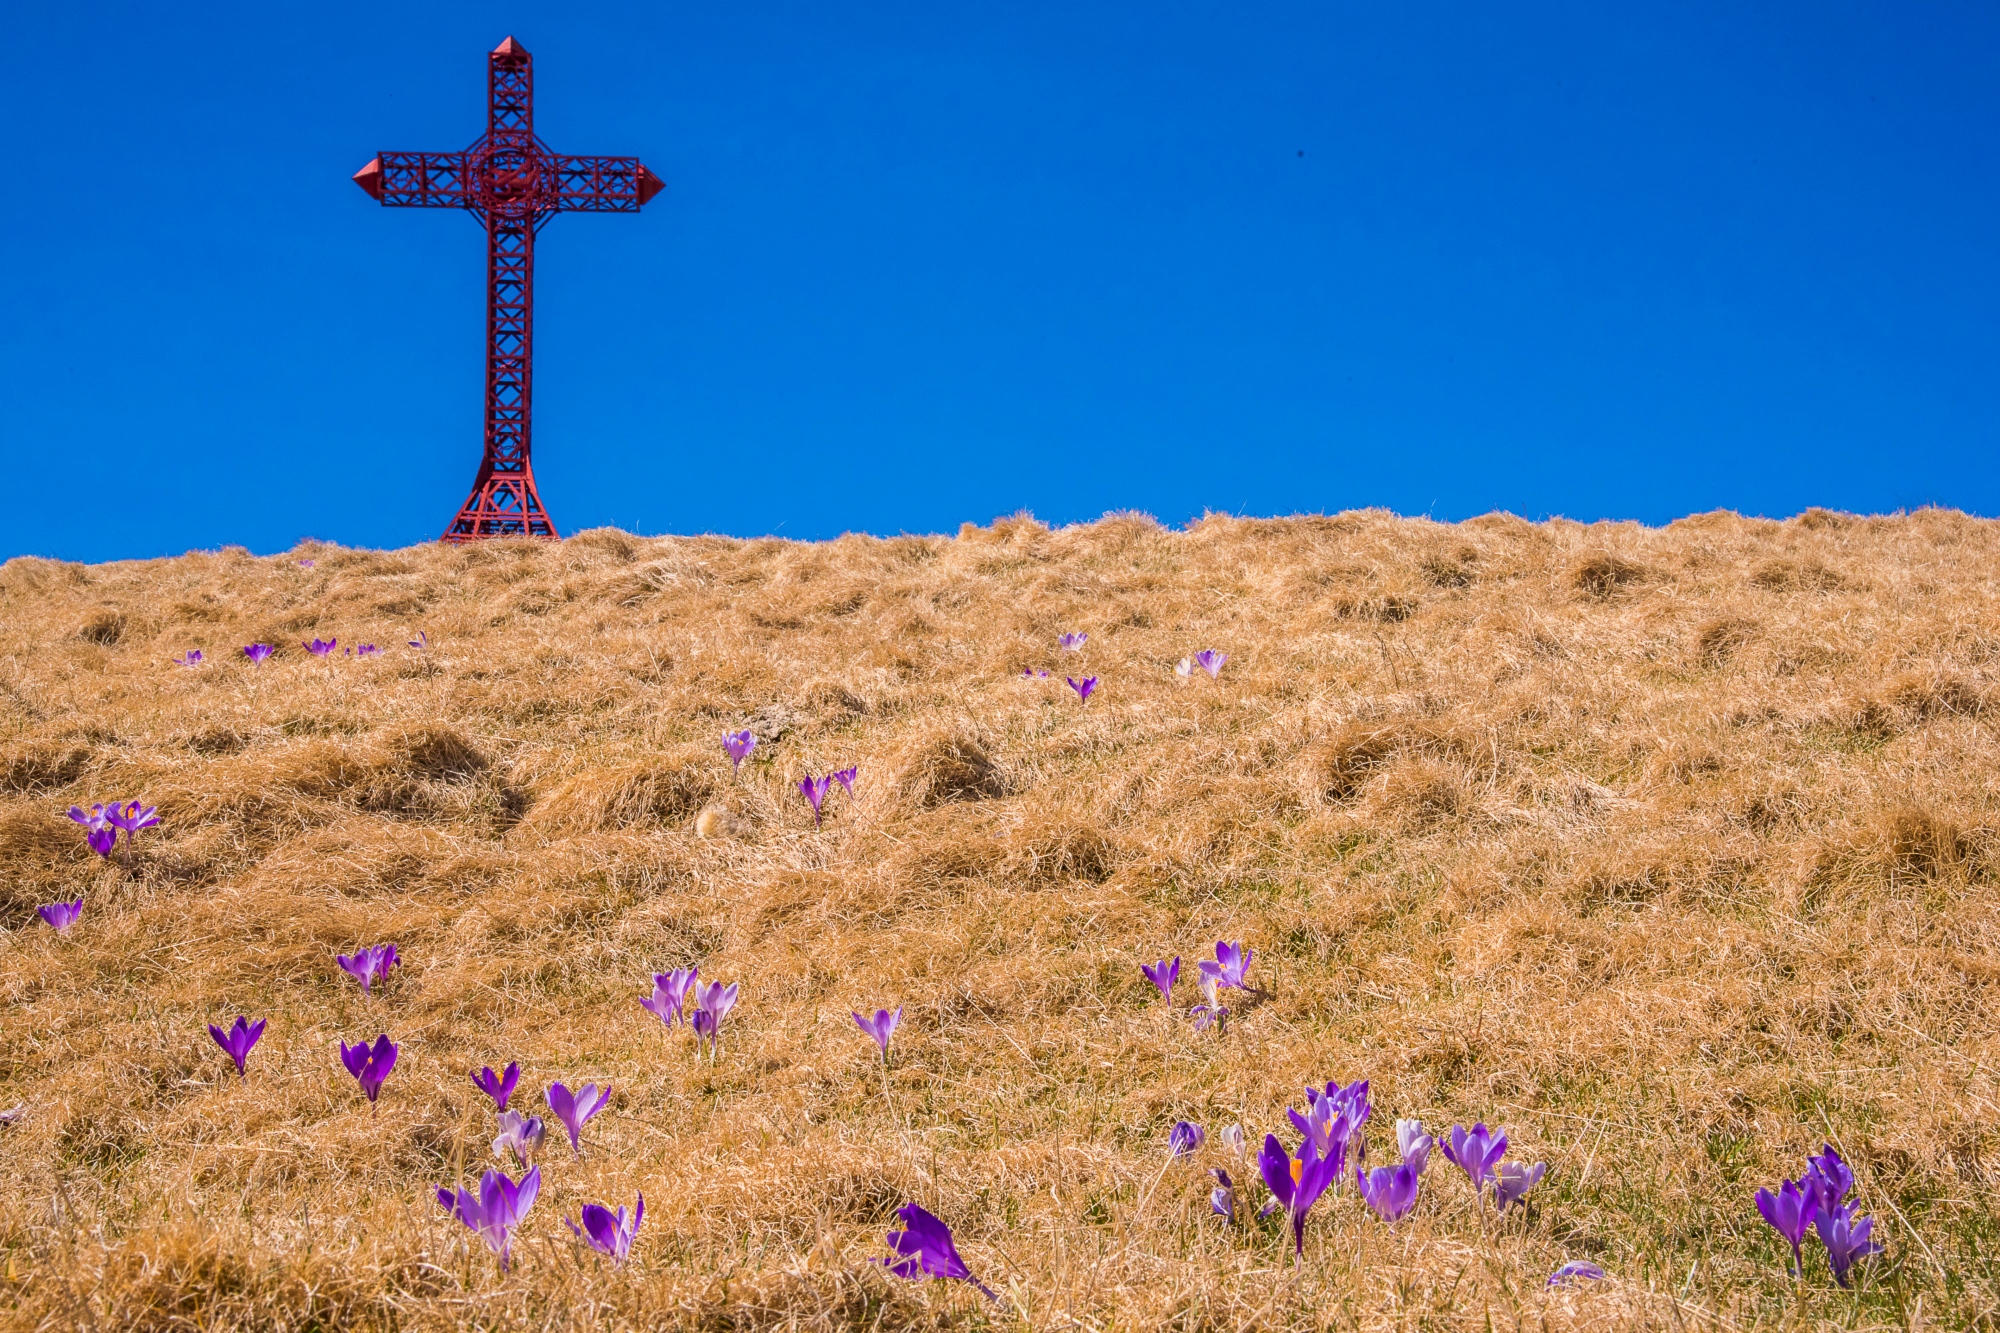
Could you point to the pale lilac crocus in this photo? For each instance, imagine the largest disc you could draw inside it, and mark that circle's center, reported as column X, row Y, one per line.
column 1232, row 1139
column 192, row 657
column 815, row 790
column 1414, row 1144
column 1391, row 1191
column 1030, row 673
column 738, row 745
column 1229, row 966
column 1082, row 687
column 98, row 830
column 1073, row 641
column 236, row 1042
column 927, row 1251
column 498, row 1208
column 1576, row 1269
column 1295, row 1182
column 422, row 641
column 519, row 1134
column 1163, row 975
column 607, row 1232
column 712, row 1003
column 60, row 915
column 499, row 1086
column 320, row 647
column 369, row 1065
column 368, row 965
column 1846, row 1237
column 305, row 564
column 845, row 777
column 366, row 650
column 1475, row 1151
column 257, row 652
column 1790, row 1211
column 881, row 1027
column 1184, row 1138
column 1222, row 1199
column 1184, row 668
column 670, row 994
column 1210, row 1012
column 574, row 1109
column 1512, row 1181
column 1210, row 661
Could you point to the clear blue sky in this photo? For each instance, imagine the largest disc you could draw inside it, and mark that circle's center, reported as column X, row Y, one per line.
column 929, row 262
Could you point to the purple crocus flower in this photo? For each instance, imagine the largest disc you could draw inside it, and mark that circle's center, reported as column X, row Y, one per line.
column 670, row 994
column 305, row 564
column 499, row 1087
column 1846, row 1238
column 131, row 817
column 102, row 840
column 845, row 777
column 1210, row 1012
column 370, row 1066
column 192, row 657
column 1512, row 1181
column 257, row 652
column 1229, row 965
column 61, row 915
column 1184, row 1138
column 712, row 1003
column 1163, row 975
column 1390, row 1190
column 1827, row 1179
column 1073, row 641
column 738, row 745
column 320, row 647
column 1789, row 1211
column 927, row 1250
column 607, row 1232
column 366, row 650
column 422, row 641
column 881, row 1027
column 369, row 964
column 1476, row 1152
column 1030, row 673
column 1295, row 1182
column 236, row 1042
column 1210, row 661
column 1574, row 1269
column 498, row 1209
column 1082, row 687
column 1414, row 1144
column 574, row 1109
column 1222, row 1199
column 815, row 790
column 519, row 1134
column 1323, row 1126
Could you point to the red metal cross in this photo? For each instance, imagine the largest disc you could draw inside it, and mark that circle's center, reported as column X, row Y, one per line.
column 512, row 181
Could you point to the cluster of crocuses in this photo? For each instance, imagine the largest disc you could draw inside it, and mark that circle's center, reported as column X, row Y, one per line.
column 1228, row 970
column 258, row 653
column 712, row 1002
column 1069, row 643
column 1818, row 1199
column 738, row 745
column 102, row 823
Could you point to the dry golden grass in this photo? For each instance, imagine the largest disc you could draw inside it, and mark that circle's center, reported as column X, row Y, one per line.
column 1672, row 851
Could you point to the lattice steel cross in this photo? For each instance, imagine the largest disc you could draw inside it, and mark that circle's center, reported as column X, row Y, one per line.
column 512, row 181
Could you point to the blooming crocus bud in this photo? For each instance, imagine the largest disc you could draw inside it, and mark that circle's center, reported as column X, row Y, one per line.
column 1827, row 1179
column 1232, row 1138
column 1083, row 687
column 497, row 1209
column 320, row 647
column 1295, row 1182
column 1210, row 661
column 927, row 1250
column 1390, row 1190
column 1072, row 641
column 712, row 1002
column 366, row 650
column 60, row 915
column 1209, row 1012
column 845, row 777
column 1230, row 964
column 1222, row 1199
column 881, row 1027
column 815, row 790
column 1512, row 1181
column 609, row 1233
column 102, row 840
column 1413, row 1143
column 236, row 1042
column 1163, row 975
column 738, row 745
column 669, row 993
column 368, row 965
column 1574, row 1270
column 369, row 1065
column 1846, row 1238
column 519, row 1134
column 1184, row 668
column 192, row 657
column 1476, row 1152
column 305, row 564
column 574, row 1109
column 1184, row 1138
column 422, row 641
column 257, row 652
column 498, row 1086
column 1790, row 1212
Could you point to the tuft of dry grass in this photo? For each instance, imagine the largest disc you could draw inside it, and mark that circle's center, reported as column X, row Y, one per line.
column 1672, row 851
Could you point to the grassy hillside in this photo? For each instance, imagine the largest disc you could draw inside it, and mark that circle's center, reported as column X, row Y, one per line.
column 1673, row 852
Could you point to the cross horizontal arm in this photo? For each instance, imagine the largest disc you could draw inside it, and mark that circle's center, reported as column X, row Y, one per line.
column 604, row 184
column 419, row 180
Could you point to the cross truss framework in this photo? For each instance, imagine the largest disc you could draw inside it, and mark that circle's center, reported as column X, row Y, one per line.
column 514, row 184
